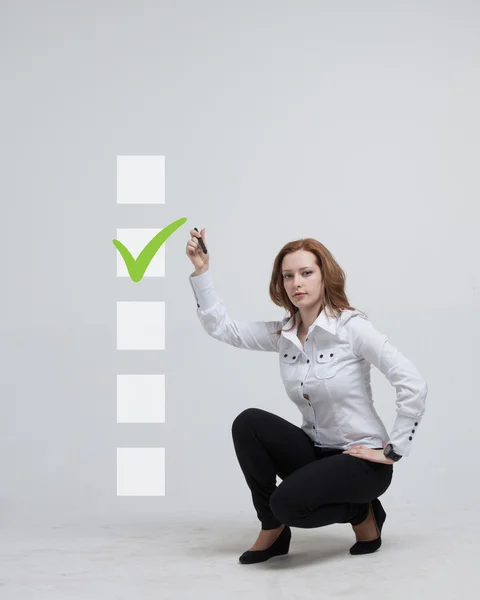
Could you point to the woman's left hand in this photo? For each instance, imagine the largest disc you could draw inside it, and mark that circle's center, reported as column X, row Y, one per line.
column 369, row 454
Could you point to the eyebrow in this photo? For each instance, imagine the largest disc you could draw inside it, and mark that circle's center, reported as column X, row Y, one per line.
column 307, row 267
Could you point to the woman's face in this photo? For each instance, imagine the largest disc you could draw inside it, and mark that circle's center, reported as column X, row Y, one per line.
column 301, row 273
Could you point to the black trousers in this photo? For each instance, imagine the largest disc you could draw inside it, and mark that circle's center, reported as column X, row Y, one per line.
column 319, row 486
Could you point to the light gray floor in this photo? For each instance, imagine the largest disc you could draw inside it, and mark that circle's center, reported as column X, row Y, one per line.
column 424, row 552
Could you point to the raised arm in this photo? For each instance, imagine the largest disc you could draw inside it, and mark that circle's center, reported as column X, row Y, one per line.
column 253, row 335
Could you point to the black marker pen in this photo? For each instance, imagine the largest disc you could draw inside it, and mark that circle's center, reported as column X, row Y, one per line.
column 200, row 241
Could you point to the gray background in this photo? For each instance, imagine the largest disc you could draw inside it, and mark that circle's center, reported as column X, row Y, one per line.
column 355, row 123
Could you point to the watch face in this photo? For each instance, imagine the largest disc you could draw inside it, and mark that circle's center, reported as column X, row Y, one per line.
column 389, row 453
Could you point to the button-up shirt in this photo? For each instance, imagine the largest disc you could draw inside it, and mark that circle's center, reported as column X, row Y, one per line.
column 328, row 378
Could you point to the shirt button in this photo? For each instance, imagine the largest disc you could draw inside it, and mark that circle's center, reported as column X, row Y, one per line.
column 416, row 424
column 301, row 383
column 410, row 438
column 306, row 339
column 413, row 430
column 308, row 360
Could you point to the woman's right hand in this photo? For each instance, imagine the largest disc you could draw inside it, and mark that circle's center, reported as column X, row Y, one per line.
column 194, row 252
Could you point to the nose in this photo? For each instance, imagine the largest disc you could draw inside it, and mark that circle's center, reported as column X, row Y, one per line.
column 295, row 280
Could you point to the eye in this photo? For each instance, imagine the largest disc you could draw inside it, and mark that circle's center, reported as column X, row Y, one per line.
column 288, row 274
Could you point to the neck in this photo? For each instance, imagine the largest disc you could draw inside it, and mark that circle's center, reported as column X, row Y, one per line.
column 308, row 316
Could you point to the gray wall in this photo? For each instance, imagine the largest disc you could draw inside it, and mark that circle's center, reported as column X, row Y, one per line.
column 355, row 123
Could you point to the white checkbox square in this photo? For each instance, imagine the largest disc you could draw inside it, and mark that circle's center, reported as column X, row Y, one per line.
column 140, row 179
column 140, row 325
column 141, row 398
column 140, row 471
column 135, row 241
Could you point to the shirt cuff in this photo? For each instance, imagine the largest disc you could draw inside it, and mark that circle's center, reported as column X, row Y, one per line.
column 204, row 290
column 403, row 433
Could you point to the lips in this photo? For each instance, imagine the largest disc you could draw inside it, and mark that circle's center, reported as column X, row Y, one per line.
column 298, row 295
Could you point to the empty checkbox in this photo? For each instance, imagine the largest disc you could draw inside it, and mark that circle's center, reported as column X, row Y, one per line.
column 140, row 471
column 140, row 179
column 140, row 325
column 141, row 398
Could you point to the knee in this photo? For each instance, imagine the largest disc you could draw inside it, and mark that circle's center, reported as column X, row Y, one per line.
column 243, row 420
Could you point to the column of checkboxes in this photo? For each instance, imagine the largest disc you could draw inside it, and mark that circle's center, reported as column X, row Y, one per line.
column 140, row 326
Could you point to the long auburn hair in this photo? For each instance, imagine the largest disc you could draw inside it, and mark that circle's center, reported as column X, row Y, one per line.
column 332, row 293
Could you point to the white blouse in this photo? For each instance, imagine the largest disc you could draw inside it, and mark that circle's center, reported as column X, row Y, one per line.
column 332, row 369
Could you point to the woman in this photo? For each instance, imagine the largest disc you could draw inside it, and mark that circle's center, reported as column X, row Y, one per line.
column 336, row 465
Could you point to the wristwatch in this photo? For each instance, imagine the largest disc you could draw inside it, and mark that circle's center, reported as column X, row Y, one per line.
column 389, row 453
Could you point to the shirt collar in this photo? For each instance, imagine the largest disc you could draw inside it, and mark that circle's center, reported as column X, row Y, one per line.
column 324, row 321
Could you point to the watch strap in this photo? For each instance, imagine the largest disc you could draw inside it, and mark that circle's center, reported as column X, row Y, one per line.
column 390, row 453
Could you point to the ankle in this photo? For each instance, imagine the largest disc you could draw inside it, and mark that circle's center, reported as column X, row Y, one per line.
column 367, row 529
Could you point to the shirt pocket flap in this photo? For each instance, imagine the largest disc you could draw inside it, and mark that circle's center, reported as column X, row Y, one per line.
column 326, row 356
column 290, row 357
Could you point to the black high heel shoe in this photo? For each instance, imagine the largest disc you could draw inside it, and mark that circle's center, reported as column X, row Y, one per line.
column 280, row 546
column 367, row 547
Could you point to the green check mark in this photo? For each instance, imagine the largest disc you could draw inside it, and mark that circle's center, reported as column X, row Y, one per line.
column 136, row 267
